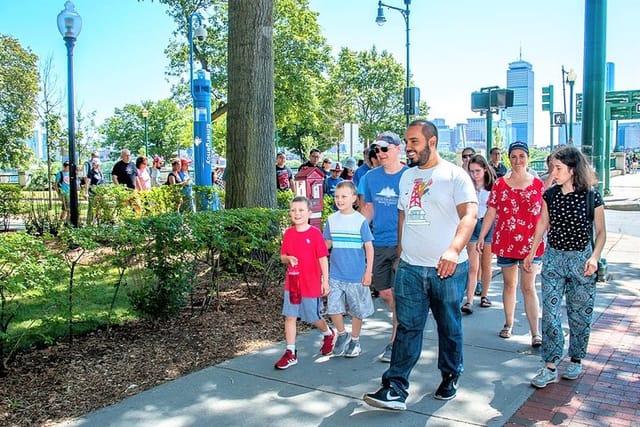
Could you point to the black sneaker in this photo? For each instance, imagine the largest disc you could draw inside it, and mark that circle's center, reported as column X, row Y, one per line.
column 385, row 398
column 448, row 387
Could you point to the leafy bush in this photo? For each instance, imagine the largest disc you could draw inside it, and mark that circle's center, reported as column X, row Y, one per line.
column 26, row 265
column 42, row 221
column 10, row 197
column 166, row 248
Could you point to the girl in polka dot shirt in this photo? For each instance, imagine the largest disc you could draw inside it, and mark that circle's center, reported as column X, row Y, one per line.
column 569, row 263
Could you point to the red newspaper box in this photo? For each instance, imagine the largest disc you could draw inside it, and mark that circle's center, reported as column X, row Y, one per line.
column 309, row 183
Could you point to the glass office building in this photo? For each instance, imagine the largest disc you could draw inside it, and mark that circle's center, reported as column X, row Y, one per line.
column 520, row 79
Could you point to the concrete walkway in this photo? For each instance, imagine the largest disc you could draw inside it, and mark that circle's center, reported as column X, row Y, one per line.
column 494, row 389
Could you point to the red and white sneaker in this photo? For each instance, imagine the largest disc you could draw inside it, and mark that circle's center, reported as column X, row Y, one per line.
column 328, row 342
column 289, row 358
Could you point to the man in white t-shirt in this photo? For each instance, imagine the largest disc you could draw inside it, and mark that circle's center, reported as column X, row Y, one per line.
column 437, row 213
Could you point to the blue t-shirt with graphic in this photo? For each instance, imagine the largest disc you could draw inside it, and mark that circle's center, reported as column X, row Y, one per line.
column 330, row 185
column 347, row 233
column 381, row 189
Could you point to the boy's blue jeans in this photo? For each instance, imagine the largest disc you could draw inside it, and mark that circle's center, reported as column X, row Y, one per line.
column 418, row 289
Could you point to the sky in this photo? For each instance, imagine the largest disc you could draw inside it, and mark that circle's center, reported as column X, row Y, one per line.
column 457, row 46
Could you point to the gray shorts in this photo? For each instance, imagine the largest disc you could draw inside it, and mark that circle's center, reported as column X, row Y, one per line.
column 355, row 296
column 307, row 311
column 383, row 273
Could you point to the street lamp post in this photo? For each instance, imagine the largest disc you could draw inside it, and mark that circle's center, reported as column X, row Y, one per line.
column 201, row 98
column 380, row 20
column 571, row 79
column 145, row 115
column 69, row 25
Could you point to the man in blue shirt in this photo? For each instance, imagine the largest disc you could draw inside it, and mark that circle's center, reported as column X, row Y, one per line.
column 380, row 190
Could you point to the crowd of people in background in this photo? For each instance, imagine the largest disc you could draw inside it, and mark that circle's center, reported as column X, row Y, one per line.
column 140, row 175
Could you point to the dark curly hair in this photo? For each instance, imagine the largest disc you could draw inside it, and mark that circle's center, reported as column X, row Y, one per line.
column 583, row 175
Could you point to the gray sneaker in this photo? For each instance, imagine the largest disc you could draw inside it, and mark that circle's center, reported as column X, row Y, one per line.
column 573, row 371
column 353, row 349
column 545, row 376
column 341, row 344
column 386, row 356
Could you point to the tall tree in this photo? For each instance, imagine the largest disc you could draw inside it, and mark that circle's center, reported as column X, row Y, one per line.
column 250, row 119
column 18, row 101
column 368, row 86
column 169, row 128
column 49, row 113
column 302, row 58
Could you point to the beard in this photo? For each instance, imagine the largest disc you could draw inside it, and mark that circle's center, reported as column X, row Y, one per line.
column 421, row 158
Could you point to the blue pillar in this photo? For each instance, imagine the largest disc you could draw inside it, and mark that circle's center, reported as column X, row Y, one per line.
column 202, row 128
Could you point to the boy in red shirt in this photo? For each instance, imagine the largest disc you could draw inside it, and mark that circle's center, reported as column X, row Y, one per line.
column 304, row 252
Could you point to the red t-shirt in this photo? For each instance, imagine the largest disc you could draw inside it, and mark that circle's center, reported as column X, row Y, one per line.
column 517, row 214
column 308, row 246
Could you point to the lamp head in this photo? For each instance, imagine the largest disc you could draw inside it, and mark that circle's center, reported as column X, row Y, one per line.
column 571, row 76
column 69, row 22
column 380, row 19
column 200, row 33
column 145, row 113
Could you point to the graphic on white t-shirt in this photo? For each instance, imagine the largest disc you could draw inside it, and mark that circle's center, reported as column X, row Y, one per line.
column 416, row 215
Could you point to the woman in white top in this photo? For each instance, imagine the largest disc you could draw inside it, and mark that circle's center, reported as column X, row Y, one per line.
column 483, row 178
column 143, row 181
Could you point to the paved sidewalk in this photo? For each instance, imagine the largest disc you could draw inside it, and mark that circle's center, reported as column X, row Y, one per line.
column 494, row 389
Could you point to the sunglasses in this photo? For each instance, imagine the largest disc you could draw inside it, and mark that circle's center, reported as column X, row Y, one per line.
column 382, row 149
column 467, row 156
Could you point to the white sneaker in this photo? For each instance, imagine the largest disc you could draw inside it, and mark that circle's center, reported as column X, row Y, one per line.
column 573, row 371
column 341, row 344
column 353, row 349
column 545, row 376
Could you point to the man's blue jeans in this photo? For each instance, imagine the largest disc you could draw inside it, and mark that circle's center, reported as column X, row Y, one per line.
column 418, row 289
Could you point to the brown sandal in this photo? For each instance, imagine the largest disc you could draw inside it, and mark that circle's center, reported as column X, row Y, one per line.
column 484, row 302
column 505, row 332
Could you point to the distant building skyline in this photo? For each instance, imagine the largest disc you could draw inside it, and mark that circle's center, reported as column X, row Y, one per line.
column 520, row 79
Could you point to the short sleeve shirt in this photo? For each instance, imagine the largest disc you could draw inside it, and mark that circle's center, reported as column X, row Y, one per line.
column 283, row 177
column 308, row 246
column 347, row 233
column 569, row 228
column 126, row 173
column 517, row 215
column 429, row 199
column 381, row 189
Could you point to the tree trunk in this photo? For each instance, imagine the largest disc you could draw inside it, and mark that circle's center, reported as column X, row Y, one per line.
column 251, row 179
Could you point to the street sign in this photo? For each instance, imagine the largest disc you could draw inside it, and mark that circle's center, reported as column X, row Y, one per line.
column 623, row 105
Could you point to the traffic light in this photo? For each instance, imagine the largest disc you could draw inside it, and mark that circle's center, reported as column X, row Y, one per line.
column 559, row 119
column 547, row 98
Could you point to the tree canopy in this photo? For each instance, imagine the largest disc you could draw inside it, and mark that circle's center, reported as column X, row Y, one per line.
column 18, row 100
column 169, row 128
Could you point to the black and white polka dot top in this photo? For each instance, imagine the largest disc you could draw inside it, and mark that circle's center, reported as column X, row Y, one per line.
column 569, row 228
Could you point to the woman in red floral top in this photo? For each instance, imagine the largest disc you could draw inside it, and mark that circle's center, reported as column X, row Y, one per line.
column 516, row 203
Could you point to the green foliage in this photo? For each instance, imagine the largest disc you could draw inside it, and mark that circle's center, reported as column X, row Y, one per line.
column 328, row 207
column 42, row 221
column 284, row 199
column 26, row 265
column 169, row 128
column 213, row 195
column 18, row 95
column 167, row 244
column 10, row 206
column 112, row 204
column 366, row 88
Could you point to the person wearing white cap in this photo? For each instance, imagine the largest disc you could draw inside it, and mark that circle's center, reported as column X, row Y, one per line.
column 381, row 192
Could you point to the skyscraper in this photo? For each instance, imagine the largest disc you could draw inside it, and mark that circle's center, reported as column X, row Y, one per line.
column 520, row 79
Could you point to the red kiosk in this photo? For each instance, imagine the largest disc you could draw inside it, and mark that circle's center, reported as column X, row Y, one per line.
column 309, row 183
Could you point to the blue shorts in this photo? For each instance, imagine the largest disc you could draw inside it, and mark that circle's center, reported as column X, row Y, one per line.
column 476, row 232
column 307, row 311
column 510, row 262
